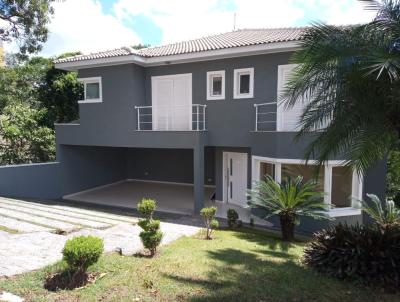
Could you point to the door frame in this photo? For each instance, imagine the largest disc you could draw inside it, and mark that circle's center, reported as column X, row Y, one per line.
column 225, row 177
column 154, row 95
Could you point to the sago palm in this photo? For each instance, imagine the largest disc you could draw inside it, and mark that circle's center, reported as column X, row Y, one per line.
column 384, row 213
column 349, row 79
column 288, row 200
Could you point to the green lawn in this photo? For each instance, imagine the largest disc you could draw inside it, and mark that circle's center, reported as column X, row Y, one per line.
column 235, row 266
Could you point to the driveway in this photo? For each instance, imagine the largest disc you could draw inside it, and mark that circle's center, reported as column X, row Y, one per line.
column 32, row 234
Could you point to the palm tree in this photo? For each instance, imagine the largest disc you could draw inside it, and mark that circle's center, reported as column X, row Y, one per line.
column 385, row 213
column 350, row 77
column 288, row 200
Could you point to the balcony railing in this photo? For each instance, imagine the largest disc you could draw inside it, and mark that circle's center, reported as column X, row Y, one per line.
column 171, row 118
column 266, row 116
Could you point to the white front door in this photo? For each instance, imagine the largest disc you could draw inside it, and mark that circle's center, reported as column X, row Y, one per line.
column 235, row 178
column 172, row 102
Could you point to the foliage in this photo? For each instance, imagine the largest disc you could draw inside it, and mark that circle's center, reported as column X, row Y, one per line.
column 357, row 252
column 350, row 76
column 209, row 221
column 151, row 235
column 37, row 83
column 385, row 213
column 393, row 174
column 288, row 200
column 25, row 22
column 147, row 207
column 140, row 46
column 82, row 251
column 232, row 217
column 23, row 140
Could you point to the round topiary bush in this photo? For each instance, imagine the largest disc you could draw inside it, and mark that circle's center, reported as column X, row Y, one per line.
column 147, row 207
column 365, row 253
column 151, row 240
column 82, row 251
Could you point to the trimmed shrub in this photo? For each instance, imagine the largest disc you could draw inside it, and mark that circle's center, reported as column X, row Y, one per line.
column 147, row 207
column 209, row 221
column 369, row 254
column 151, row 235
column 232, row 217
column 82, row 251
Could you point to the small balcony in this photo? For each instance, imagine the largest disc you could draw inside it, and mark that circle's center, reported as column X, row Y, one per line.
column 266, row 116
column 171, row 118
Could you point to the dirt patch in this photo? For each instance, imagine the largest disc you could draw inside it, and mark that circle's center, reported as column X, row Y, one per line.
column 68, row 280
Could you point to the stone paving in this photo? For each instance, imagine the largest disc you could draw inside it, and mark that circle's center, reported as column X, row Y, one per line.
column 36, row 243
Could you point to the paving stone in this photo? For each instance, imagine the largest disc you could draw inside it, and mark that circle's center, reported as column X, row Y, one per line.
column 38, row 220
column 71, row 209
column 20, row 226
column 49, row 209
column 40, row 213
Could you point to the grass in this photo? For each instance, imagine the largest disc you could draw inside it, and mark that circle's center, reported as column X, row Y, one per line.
column 8, row 230
column 246, row 265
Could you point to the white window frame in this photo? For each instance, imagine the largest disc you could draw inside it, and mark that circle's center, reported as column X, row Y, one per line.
column 236, row 83
column 91, row 80
column 357, row 181
column 210, row 76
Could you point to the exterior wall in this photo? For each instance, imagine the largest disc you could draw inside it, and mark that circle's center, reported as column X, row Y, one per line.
column 83, row 168
column 31, row 181
column 171, row 165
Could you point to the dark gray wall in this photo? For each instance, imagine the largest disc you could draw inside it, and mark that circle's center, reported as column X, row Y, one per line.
column 87, row 167
column 31, row 181
column 172, row 165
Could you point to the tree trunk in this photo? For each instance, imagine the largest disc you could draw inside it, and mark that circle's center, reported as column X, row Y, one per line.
column 287, row 227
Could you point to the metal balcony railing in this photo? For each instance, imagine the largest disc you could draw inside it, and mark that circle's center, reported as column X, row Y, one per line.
column 171, row 118
column 266, row 114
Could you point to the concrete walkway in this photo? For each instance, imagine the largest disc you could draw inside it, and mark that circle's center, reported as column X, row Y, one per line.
column 30, row 233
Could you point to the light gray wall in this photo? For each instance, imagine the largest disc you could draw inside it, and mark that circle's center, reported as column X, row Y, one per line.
column 31, row 181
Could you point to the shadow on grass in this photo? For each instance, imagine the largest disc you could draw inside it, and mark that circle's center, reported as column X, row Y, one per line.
column 244, row 276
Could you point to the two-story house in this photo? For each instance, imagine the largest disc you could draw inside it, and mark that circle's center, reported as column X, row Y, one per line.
column 192, row 123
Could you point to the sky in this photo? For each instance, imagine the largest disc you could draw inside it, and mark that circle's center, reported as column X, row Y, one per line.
column 95, row 25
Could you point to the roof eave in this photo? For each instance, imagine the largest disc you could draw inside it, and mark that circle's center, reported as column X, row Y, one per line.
column 184, row 58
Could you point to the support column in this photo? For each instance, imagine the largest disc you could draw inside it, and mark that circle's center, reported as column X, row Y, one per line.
column 198, row 178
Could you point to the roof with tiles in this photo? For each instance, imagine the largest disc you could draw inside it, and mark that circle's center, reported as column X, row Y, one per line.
column 237, row 38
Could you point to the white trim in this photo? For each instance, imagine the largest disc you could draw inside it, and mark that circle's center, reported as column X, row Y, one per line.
column 357, row 186
column 66, row 124
column 93, row 189
column 91, row 80
column 166, row 182
column 236, row 83
column 210, row 75
column 233, row 52
column 29, row 165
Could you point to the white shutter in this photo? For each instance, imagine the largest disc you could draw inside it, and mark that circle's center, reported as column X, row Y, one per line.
column 287, row 119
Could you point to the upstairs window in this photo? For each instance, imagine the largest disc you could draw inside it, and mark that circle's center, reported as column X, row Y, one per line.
column 243, row 85
column 216, row 85
column 92, row 90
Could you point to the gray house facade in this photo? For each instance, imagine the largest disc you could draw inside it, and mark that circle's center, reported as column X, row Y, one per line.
column 192, row 124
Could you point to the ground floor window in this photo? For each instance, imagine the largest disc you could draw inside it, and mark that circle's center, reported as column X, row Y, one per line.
column 342, row 186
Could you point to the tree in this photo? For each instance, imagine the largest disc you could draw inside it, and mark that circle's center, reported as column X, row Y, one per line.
column 393, row 175
column 25, row 21
column 36, row 82
column 22, row 139
column 350, row 77
column 288, row 200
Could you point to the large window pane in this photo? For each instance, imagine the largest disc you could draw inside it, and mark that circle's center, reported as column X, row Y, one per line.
column 92, row 91
column 217, row 86
column 244, row 82
column 341, row 187
column 308, row 173
column 267, row 169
